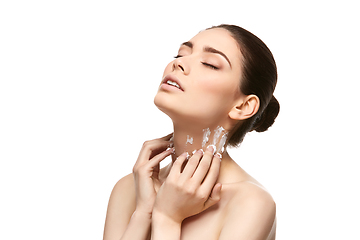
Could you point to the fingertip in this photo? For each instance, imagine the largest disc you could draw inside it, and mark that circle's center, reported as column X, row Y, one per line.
column 211, row 148
column 168, row 137
column 180, row 160
column 171, row 149
column 200, row 152
column 182, row 157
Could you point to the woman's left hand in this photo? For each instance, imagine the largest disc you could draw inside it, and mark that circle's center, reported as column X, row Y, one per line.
column 191, row 190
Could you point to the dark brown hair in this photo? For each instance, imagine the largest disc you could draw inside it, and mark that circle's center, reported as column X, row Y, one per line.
column 259, row 78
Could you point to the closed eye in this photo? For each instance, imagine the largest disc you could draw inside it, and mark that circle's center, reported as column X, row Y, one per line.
column 204, row 63
column 209, row 65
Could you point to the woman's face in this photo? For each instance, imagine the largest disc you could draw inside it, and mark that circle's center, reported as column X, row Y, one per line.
column 202, row 84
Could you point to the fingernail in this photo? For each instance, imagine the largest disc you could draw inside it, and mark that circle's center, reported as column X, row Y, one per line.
column 212, row 148
column 219, row 155
column 185, row 154
column 200, row 151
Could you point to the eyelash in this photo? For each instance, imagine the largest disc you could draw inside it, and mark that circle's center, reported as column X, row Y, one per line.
column 210, row 66
column 204, row 63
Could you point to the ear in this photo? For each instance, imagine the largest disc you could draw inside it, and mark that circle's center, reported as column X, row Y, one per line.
column 245, row 108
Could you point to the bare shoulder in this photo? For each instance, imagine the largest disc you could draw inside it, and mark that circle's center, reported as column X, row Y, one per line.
column 124, row 183
column 120, row 208
column 252, row 192
column 123, row 192
column 251, row 212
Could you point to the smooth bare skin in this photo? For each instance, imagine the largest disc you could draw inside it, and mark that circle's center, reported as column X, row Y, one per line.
column 194, row 189
column 203, row 197
column 211, row 97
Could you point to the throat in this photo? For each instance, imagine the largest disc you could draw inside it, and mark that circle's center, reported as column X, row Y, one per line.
column 190, row 141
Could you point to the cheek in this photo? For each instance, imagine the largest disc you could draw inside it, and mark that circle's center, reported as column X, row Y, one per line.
column 218, row 89
column 213, row 99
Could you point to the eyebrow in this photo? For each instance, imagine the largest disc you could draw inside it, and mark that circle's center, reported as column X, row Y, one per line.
column 208, row 49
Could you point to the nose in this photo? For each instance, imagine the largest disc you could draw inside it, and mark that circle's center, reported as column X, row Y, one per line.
column 179, row 64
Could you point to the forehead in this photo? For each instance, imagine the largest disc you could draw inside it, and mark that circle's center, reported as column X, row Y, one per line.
column 219, row 39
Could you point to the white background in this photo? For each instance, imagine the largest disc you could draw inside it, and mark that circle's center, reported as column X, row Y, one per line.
column 77, row 81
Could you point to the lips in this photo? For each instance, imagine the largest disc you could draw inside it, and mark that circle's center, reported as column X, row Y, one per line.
column 172, row 81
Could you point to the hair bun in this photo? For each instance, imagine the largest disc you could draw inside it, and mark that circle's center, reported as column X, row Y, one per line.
column 267, row 118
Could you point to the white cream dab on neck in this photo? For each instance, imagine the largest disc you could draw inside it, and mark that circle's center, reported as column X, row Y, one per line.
column 206, row 136
column 189, row 140
column 222, row 142
column 217, row 133
column 219, row 138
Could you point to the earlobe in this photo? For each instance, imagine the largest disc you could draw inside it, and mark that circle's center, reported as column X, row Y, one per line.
column 245, row 108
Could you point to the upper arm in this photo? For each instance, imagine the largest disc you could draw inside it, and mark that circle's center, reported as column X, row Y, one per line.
column 250, row 217
column 121, row 206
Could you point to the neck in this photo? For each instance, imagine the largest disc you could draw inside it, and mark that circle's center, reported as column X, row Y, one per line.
column 187, row 139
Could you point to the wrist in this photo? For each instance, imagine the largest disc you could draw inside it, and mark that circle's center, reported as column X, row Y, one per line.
column 160, row 217
column 138, row 227
column 140, row 213
column 145, row 207
column 164, row 227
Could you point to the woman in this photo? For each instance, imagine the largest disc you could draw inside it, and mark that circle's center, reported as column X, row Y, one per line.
column 219, row 87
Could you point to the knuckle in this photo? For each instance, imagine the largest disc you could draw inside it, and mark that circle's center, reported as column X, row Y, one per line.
column 202, row 196
column 136, row 171
column 190, row 191
column 135, row 168
column 139, row 169
column 146, row 144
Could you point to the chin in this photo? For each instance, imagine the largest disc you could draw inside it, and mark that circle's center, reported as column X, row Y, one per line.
column 160, row 101
column 181, row 115
column 164, row 105
column 185, row 113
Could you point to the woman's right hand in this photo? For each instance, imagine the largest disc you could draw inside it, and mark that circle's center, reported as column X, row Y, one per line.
column 146, row 171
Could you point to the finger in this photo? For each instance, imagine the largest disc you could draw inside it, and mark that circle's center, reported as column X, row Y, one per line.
column 212, row 175
column 214, row 197
column 176, row 168
column 192, row 164
column 167, row 137
column 152, row 148
column 154, row 164
column 204, row 165
column 161, row 156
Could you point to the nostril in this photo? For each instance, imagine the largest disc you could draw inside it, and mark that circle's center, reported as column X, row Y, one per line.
column 178, row 65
